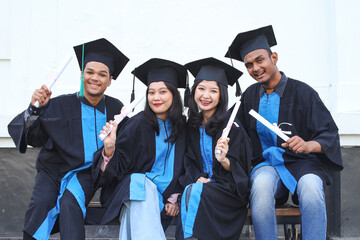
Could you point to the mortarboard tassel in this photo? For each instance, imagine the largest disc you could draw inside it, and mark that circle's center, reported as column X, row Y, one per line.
column 187, row 92
column 81, row 93
column 133, row 90
column 238, row 89
column 132, row 98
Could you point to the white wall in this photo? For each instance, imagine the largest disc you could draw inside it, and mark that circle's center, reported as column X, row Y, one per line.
column 314, row 44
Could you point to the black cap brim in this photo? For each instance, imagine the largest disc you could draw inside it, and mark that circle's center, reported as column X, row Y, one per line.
column 213, row 71
column 101, row 50
column 156, row 69
column 261, row 38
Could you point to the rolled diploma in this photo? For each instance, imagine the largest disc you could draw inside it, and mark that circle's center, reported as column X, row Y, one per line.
column 125, row 111
column 226, row 130
column 268, row 125
column 56, row 74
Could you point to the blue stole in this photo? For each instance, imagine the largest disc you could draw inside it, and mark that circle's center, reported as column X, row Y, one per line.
column 269, row 108
column 189, row 209
column 206, row 151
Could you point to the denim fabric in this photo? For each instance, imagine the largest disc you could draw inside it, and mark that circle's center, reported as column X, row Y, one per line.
column 267, row 185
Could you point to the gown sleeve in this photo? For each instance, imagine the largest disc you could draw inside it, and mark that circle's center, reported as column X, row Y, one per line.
column 192, row 168
column 240, row 155
column 323, row 131
column 25, row 129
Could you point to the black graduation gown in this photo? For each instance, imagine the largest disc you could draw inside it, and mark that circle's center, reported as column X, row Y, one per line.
column 134, row 153
column 301, row 106
column 222, row 206
column 65, row 142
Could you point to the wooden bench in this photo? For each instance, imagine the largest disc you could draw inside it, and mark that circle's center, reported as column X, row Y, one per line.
column 287, row 215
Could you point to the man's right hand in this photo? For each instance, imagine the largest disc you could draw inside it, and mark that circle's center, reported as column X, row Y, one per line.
column 298, row 145
column 41, row 95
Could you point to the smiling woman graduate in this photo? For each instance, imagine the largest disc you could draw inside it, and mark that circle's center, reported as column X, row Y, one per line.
column 66, row 127
column 140, row 181
column 214, row 204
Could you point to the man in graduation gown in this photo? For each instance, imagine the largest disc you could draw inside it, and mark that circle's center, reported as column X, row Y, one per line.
column 67, row 129
column 302, row 164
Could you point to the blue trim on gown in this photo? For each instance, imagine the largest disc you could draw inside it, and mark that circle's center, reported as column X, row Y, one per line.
column 269, row 108
column 189, row 210
column 206, row 151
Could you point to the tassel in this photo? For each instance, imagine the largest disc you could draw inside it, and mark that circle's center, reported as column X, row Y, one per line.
column 81, row 93
column 132, row 98
column 187, row 93
column 238, row 89
column 133, row 90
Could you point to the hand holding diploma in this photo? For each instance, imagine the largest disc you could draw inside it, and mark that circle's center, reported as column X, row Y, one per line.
column 110, row 139
column 227, row 129
column 223, row 146
column 41, row 97
column 295, row 144
column 298, row 145
column 118, row 118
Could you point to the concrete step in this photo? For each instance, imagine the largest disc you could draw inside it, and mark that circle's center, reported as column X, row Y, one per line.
column 111, row 232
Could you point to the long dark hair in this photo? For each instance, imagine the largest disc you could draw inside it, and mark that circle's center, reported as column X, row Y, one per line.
column 175, row 114
column 214, row 124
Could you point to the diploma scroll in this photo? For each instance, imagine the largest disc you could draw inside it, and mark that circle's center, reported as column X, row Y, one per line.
column 226, row 130
column 268, row 125
column 124, row 112
column 56, row 75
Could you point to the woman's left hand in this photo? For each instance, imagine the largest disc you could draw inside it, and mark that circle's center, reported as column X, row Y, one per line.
column 171, row 210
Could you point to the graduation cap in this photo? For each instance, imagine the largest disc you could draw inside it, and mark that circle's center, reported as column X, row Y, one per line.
column 156, row 70
column 246, row 42
column 100, row 50
column 212, row 69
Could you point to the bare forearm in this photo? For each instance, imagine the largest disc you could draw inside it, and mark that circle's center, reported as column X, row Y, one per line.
column 109, row 150
column 226, row 164
column 314, row 147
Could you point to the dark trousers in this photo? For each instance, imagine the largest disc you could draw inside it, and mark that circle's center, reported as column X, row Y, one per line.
column 70, row 220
